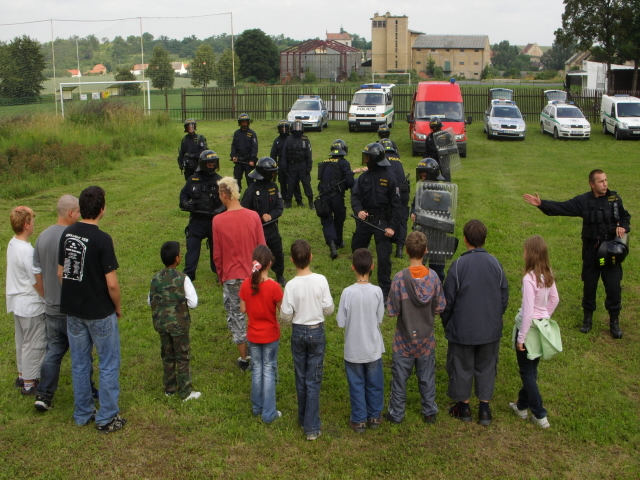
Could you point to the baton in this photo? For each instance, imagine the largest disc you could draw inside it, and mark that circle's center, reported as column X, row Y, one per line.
column 270, row 222
column 369, row 223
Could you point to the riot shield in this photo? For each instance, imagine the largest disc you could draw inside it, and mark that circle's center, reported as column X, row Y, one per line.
column 448, row 152
column 435, row 210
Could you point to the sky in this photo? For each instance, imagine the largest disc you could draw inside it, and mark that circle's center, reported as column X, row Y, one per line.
column 516, row 21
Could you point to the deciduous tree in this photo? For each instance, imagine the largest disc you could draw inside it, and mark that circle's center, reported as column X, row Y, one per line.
column 203, row 66
column 161, row 72
column 124, row 74
column 21, row 65
column 259, row 56
column 224, row 69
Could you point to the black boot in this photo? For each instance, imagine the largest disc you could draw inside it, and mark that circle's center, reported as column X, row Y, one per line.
column 311, row 205
column 587, row 322
column 287, row 204
column 398, row 251
column 334, row 250
column 614, row 327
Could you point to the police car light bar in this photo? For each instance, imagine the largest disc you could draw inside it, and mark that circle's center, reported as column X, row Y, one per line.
column 309, row 96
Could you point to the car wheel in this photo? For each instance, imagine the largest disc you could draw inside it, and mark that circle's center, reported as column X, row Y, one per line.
column 616, row 134
column 555, row 133
column 414, row 153
column 604, row 128
column 484, row 128
column 320, row 127
column 542, row 128
column 488, row 136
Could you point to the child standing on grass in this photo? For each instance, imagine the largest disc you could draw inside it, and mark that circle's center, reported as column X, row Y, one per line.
column 360, row 313
column 260, row 299
column 171, row 295
column 416, row 297
column 306, row 301
column 539, row 300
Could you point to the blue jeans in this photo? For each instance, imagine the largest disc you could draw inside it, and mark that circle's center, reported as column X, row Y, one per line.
column 104, row 334
column 366, row 389
column 264, row 372
column 529, row 396
column 307, row 348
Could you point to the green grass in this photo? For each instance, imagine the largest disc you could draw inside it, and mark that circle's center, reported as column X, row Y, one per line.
column 591, row 390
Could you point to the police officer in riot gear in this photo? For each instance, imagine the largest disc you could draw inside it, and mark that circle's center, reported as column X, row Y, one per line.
column 191, row 146
column 385, row 132
column 375, row 200
column 431, row 149
column 334, row 178
column 296, row 159
column 403, row 183
column 604, row 218
column 263, row 197
column 433, row 212
column 244, row 150
column 199, row 196
column 284, row 130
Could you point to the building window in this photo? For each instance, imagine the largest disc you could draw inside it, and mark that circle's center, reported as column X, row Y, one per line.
column 461, row 63
column 446, row 49
column 379, row 24
column 476, row 63
column 418, row 63
column 476, row 50
column 418, row 49
column 462, row 49
column 476, row 73
column 433, row 49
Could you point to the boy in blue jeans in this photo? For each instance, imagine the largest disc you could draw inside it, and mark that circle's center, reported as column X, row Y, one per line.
column 360, row 314
column 306, row 301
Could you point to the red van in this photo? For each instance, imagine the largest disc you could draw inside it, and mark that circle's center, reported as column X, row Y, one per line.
column 437, row 99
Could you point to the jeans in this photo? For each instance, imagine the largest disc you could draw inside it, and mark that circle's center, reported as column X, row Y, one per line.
column 264, row 372
column 529, row 395
column 307, row 348
column 104, row 334
column 401, row 369
column 366, row 389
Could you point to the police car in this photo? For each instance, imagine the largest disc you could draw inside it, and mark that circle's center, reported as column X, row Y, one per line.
column 311, row 111
column 563, row 119
column 503, row 119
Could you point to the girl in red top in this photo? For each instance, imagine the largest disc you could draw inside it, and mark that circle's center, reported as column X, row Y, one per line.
column 260, row 298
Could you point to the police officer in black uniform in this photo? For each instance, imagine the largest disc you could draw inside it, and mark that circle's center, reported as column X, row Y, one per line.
column 334, row 178
column 276, row 153
column 385, row 132
column 296, row 159
column 403, row 183
column 191, row 146
column 604, row 218
column 244, row 150
column 200, row 197
column 375, row 200
column 431, row 149
column 263, row 197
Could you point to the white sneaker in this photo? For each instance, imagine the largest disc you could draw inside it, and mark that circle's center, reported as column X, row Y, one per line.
column 192, row 396
column 523, row 414
column 541, row 422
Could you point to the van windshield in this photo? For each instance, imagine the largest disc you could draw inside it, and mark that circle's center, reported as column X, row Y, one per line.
column 629, row 110
column 569, row 112
column 364, row 98
column 447, row 111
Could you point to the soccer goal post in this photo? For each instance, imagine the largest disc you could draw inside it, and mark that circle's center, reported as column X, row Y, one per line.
column 91, row 92
column 391, row 77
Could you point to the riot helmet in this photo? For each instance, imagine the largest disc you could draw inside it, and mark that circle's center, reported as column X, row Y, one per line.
column 244, row 117
column 431, row 168
column 339, row 148
column 435, row 124
column 283, row 127
column 187, row 122
column 297, row 128
column 373, row 156
column 266, row 169
column 207, row 157
column 613, row 252
column 384, row 131
column 388, row 145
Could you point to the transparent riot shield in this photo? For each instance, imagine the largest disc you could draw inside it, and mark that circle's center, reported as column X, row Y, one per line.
column 435, row 210
column 448, row 151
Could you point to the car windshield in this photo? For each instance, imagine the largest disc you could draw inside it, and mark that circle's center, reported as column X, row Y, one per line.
column 569, row 112
column 447, row 111
column 506, row 112
column 364, row 98
column 629, row 110
column 306, row 105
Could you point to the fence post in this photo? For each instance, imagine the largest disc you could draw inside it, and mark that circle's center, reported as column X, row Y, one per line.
column 183, row 105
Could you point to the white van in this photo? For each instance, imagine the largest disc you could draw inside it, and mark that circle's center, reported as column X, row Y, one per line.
column 620, row 115
column 371, row 107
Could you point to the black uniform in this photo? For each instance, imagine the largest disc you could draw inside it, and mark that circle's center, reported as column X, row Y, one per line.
column 335, row 177
column 191, row 147
column 431, row 151
column 263, row 197
column 403, row 185
column 600, row 217
column 377, row 193
column 296, row 160
column 276, row 154
column 244, row 146
column 200, row 197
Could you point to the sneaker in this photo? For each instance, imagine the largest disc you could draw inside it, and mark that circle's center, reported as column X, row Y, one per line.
column 192, row 396
column 278, row 415
column 42, row 404
column 116, row 423
column 430, row 419
column 358, row 427
column 19, row 382
column 29, row 391
column 461, row 411
column 390, row 419
column 169, row 394
column 374, row 423
column 541, row 422
column 484, row 414
column 313, row 436
column 92, row 418
column 523, row 414
column 243, row 364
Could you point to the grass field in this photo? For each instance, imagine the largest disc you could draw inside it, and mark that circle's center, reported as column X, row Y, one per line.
column 591, row 390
